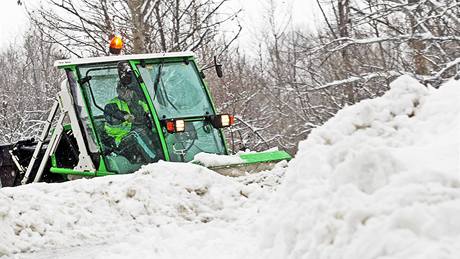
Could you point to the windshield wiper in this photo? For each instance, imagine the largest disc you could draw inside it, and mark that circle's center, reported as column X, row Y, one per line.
column 157, row 81
column 155, row 88
column 86, row 80
column 166, row 96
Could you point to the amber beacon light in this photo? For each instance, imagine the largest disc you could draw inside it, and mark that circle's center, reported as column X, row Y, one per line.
column 116, row 44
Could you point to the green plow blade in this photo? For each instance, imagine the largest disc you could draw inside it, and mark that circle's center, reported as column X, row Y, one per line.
column 263, row 157
column 253, row 163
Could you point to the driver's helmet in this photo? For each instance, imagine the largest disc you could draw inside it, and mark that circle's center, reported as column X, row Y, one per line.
column 125, row 73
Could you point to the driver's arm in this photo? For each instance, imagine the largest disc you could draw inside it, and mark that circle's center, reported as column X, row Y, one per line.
column 113, row 115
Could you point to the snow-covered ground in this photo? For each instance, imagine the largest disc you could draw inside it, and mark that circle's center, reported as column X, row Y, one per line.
column 379, row 180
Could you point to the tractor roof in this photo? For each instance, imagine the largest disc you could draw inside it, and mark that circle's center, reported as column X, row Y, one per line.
column 105, row 59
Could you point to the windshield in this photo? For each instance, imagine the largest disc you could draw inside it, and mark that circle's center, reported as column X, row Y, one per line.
column 176, row 90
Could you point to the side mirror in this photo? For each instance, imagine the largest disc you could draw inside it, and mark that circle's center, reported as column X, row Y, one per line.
column 218, row 68
column 125, row 73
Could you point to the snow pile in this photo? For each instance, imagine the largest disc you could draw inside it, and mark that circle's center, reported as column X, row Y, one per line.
column 379, row 180
column 214, row 239
column 80, row 212
column 212, row 160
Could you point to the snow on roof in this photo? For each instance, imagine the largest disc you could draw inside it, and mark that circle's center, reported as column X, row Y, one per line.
column 378, row 180
column 93, row 60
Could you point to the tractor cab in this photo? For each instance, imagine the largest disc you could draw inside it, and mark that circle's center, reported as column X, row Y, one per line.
column 159, row 101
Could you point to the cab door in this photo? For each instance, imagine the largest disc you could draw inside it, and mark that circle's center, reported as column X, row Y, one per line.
column 125, row 155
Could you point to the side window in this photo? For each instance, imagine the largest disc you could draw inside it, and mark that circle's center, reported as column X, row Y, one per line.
column 81, row 111
column 100, row 89
column 121, row 119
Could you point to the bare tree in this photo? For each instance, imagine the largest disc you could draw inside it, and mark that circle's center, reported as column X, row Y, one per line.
column 84, row 27
column 417, row 37
column 28, row 83
column 307, row 77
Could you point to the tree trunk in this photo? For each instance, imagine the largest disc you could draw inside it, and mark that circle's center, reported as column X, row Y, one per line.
column 138, row 30
column 344, row 10
column 417, row 46
column 161, row 31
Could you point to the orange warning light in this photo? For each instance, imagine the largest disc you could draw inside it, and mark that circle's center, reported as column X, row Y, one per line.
column 116, row 44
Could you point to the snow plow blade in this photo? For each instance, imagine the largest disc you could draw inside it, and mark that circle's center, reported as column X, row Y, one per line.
column 252, row 163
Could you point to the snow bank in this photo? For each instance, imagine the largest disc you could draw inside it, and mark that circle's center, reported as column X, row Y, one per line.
column 379, row 180
column 39, row 216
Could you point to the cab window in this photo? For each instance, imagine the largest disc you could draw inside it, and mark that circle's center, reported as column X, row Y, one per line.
column 176, row 89
column 121, row 119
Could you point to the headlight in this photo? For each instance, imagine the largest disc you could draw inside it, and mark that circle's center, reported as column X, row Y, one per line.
column 222, row 120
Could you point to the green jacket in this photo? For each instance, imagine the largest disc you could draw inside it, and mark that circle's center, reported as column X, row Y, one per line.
column 116, row 125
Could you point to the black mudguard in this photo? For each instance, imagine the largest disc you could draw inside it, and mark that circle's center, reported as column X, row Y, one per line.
column 8, row 171
column 23, row 150
column 10, row 175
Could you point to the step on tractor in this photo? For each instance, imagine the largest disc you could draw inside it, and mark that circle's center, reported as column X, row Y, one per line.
column 115, row 113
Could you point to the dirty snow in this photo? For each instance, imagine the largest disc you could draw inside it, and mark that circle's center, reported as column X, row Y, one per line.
column 379, row 180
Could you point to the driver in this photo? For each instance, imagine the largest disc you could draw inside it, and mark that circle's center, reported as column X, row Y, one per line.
column 127, row 123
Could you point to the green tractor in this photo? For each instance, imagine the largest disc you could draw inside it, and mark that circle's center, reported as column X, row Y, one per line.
column 120, row 112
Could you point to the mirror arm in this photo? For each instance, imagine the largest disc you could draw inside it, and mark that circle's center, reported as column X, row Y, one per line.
column 202, row 74
column 207, row 67
column 218, row 68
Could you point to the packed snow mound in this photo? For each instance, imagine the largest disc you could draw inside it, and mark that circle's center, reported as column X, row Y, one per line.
column 379, row 180
column 38, row 216
column 211, row 160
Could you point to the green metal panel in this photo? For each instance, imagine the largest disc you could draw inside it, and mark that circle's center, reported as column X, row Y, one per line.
column 67, row 127
column 252, row 158
column 71, row 67
column 68, row 171
column 53, row 160
column 102, row 167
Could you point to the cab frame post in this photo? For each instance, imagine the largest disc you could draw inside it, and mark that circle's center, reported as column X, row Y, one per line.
column 42, row 138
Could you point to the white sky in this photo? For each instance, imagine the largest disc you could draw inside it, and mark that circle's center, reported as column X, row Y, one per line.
column 255, row 12
column 13, row 21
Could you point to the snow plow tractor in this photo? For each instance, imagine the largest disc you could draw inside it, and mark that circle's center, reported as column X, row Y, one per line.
column 114, row 114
